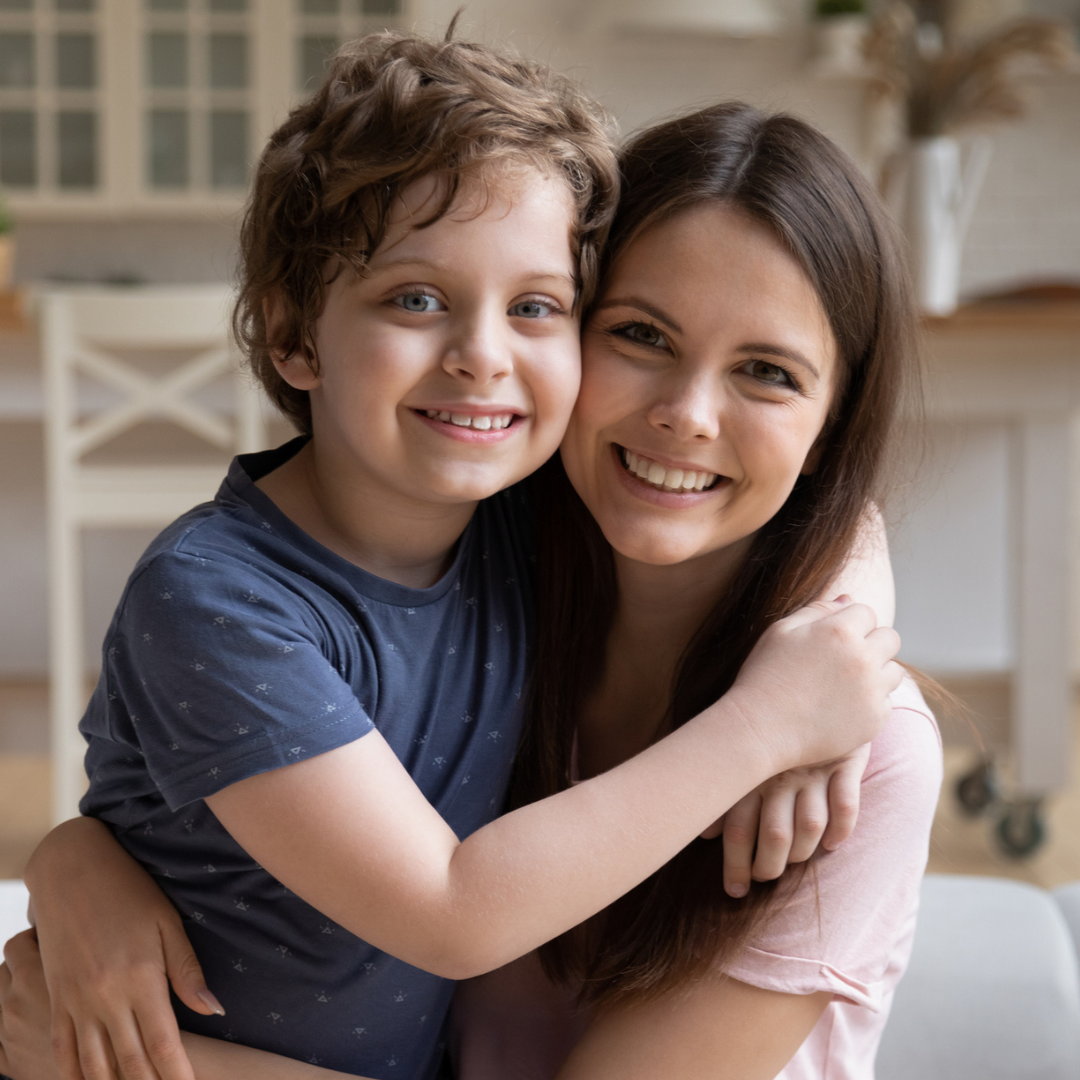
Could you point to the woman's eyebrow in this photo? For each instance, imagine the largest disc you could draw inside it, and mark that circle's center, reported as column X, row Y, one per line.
column 641, row 305
column 787, row 353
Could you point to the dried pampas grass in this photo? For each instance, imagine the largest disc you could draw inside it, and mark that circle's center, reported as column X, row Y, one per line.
column 944, row 85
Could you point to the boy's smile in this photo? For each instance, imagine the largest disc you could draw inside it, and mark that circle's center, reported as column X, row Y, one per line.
column 448, row 371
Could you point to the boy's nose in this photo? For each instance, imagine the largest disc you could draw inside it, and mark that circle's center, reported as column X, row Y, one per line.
column 479, row 352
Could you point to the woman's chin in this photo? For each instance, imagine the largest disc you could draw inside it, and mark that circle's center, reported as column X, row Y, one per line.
column 653, row 549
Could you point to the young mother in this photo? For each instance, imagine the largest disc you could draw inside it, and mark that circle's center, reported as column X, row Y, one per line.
column 754, row 324
column 754, row 327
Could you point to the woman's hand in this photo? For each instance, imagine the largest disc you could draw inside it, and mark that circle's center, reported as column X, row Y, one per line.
column 25, row 1039
column 783, row 821
column 110, row 943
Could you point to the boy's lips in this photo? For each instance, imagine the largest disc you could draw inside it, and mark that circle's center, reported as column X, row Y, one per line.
column 489, row 424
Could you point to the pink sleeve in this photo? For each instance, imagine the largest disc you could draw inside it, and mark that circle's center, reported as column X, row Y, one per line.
column 840, row 927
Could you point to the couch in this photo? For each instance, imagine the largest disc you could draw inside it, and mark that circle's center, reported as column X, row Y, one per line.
column 992, row 993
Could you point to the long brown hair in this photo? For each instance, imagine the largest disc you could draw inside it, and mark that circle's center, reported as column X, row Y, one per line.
column 787, row 175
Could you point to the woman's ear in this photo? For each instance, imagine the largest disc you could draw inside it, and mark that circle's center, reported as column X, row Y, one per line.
column 295, row 368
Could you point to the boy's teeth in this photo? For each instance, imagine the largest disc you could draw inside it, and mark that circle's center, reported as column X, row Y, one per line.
column 652, row 472
column 477, row 423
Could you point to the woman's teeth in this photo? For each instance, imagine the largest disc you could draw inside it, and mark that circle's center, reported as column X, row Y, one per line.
column 477, row 423
column 652, row 472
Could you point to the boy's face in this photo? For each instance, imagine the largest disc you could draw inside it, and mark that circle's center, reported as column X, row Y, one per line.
column 448, row 371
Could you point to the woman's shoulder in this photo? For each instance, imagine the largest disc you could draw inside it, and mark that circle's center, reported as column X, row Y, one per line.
column 906, row 757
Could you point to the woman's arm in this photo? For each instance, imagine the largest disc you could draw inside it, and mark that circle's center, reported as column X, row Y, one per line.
column 26, row 1047
column 111, row 942
column 713, row 1029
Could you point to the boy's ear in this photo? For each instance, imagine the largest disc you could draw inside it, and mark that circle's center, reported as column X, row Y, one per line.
column 295, row 368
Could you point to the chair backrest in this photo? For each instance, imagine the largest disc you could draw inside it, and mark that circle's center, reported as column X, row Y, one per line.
column 114, row 360
column 102, row 334
column 993, row 989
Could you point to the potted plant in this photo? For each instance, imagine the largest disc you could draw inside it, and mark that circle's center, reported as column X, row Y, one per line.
column 839, row 32
column 941, row 83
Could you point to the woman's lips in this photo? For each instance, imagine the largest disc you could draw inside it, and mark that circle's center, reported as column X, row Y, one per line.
column 665, row 479
column 661, row 496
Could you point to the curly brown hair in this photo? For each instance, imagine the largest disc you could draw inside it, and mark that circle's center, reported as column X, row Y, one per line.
column 392, row 109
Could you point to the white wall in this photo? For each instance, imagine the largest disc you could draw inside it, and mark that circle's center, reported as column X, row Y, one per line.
column 1026, row 226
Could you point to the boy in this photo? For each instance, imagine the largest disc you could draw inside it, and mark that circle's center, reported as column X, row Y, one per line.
column 356, row 607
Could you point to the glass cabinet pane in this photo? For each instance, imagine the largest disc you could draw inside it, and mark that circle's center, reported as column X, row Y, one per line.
column 228, row 61
column 228, row 5
column 380, row 7
column 16, row 5
column 167, row 55
column 77, row 149
column 168, row 148
column 18, row 148
column 315, row 53
column 75, row 68
column 228, row 149
column 166, row 5
column 319, row 7
column 74, row 5
column 17, row 60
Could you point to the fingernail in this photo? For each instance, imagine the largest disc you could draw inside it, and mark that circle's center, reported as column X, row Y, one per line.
column 737, row 890
column 843, row 598
column 210, row 1002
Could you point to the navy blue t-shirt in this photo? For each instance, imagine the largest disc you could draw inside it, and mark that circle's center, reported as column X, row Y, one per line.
column 241, row 645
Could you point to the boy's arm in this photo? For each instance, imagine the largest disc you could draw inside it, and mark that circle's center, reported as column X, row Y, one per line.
column 350, row 832
column 785, row 819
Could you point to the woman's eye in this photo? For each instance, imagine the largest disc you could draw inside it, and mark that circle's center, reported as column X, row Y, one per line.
column 531, row 309
column 419, row 302
column 770, row 374
column 642, row 334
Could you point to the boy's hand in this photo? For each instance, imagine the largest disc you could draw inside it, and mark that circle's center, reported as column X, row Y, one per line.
column 25, row 1041
column 817, row 683
column 787, row 817
column 111, row 942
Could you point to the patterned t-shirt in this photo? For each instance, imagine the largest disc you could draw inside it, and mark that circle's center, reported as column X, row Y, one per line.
column 241, row 645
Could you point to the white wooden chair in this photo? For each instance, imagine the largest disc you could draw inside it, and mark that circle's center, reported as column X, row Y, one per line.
column 99, row 335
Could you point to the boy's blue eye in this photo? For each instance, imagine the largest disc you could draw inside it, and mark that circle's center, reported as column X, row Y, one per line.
column 531, row 309
column 418, row 301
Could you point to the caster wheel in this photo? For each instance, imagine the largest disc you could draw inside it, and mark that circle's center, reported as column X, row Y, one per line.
column 976, row 790
column 1021, row 830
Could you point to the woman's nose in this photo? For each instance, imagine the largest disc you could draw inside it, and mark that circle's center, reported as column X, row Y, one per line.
column 478, row 351
column 690, row 410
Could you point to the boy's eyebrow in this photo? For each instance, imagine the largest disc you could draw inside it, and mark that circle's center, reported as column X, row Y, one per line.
column 428, row 264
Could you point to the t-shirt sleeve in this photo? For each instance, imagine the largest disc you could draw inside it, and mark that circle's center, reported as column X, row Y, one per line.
column 838, row 928
column 217, row 670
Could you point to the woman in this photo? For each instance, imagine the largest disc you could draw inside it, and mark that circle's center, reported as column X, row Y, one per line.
column 754, row 330
column 754, row 324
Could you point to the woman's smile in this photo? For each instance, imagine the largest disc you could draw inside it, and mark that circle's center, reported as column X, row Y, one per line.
column 708, row 369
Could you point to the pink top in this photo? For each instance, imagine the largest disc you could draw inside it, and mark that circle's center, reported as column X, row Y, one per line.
column 847, row 928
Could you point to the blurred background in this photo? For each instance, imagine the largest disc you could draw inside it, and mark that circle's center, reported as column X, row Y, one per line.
column 127, row 132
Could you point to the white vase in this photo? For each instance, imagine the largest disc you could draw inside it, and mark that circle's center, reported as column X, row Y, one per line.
column 932, row 191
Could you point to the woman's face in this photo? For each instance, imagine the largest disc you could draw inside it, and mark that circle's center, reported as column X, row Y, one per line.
column 708, row 369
